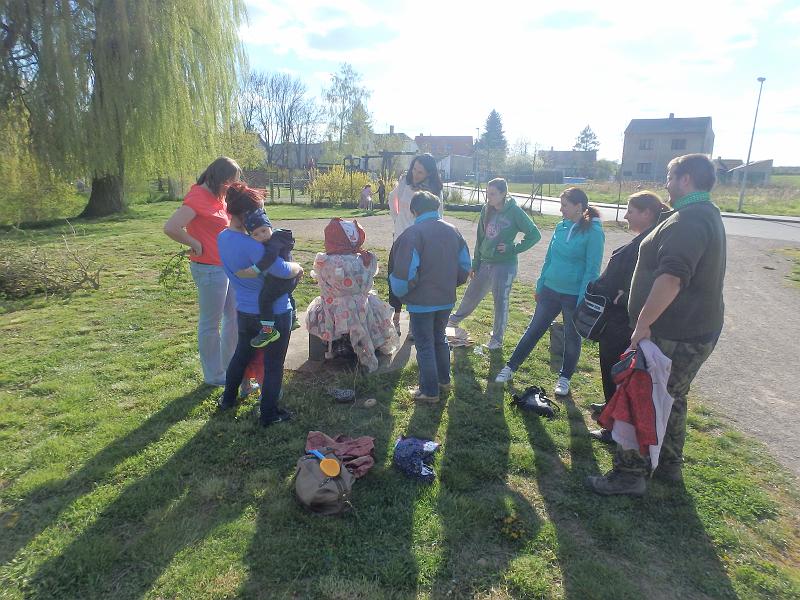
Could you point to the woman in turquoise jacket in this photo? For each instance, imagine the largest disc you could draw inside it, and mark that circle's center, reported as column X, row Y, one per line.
column 572, row 261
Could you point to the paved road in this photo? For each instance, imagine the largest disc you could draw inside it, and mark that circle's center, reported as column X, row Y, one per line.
column 749, row 377
column 766, row 228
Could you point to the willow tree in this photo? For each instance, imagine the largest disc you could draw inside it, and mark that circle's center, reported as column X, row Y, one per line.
column 120, row 86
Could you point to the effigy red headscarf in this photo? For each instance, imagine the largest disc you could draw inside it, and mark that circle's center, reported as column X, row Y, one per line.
column 346, row 237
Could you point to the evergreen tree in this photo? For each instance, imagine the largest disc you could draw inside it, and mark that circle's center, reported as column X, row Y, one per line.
column 586, row 140
column 492, row 147
column 493, row 136
column 114, row 87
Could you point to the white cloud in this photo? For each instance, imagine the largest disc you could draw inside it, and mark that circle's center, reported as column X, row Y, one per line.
column 442, row 66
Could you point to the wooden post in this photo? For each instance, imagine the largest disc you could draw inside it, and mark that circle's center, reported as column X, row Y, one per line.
column 291, row 188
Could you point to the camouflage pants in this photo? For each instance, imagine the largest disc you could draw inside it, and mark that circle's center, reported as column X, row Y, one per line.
column 687, row 358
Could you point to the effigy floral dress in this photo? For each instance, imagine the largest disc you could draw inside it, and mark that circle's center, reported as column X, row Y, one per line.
column 348, row 305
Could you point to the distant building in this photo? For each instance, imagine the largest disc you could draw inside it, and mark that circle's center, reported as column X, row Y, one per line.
column 651, row 143
column 444, row 145
column 455, row 167
column 572, row 163
column 392, row 141
column 723, row 166
column 758, row 173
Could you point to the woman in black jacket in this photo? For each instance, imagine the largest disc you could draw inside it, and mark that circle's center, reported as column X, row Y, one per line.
column 644, row 209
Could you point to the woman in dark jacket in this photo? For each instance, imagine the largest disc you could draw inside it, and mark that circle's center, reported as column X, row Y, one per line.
column 644, row 209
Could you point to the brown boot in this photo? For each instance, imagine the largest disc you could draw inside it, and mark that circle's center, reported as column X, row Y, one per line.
column 669, row 473
column 616, row 483
column 418, row 396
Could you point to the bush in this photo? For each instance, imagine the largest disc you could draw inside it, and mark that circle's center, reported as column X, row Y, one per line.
column 335, row 187
column 30, row 192
column 455, row 196
column 39, row 201
column 49, row 271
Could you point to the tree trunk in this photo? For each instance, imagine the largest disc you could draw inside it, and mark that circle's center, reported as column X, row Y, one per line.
column 173, row 189
column 106, row 197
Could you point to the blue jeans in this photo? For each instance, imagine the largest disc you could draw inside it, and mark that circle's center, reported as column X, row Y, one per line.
column 548, row 306
column 217, row 303
column 433, row 352
column 497, row 278
column 274, row 357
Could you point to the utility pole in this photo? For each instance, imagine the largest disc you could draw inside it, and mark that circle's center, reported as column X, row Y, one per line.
column 761, row 81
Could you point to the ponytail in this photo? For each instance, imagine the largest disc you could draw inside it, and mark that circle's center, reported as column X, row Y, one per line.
column 590, row 213
column 218, row 172
column 575, row 195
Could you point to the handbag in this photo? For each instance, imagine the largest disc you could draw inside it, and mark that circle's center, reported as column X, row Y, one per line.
column 591, row 315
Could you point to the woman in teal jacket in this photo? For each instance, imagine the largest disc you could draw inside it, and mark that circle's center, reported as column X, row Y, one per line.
column 573, row 260
column 494, row 265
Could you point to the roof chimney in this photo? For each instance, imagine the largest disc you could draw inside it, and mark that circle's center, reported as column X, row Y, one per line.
column 671, row 115
column 391, row 129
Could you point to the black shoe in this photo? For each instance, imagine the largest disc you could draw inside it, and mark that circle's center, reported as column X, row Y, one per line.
column 223, row 406
column 281, row 417
column 602, row 435
column 597, row 407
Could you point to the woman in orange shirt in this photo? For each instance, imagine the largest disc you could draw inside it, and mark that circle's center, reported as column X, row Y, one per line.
column 196, row 224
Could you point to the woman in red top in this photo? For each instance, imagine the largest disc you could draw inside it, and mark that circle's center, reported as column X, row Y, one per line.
column 196, row 224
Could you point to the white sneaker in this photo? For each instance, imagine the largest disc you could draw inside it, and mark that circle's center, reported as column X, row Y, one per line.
column 494, row 345
column 562, row 386
column 505, row 375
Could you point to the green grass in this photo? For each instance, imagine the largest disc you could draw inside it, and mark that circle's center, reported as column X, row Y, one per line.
column 794, row 256
column 118, row 479
column 71, row 205
column 790, row 181
column 781, row 197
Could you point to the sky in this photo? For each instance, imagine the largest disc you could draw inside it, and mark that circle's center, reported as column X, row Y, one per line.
column 549, row 69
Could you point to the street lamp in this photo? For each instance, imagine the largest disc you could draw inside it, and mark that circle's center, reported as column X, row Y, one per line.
column 761, row 81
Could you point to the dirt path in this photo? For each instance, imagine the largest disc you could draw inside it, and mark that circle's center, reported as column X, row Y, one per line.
column 750, row 377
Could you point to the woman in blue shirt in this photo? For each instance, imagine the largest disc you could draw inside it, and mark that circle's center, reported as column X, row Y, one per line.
column 572, row 261
column 239, row 251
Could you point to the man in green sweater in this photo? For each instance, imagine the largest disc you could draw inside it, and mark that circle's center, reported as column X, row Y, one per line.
column 676, row 302
column 494, row 265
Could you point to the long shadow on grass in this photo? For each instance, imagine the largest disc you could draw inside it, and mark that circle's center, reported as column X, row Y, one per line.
column 620, row 547
column 175, row 506
column 485, row 522
column 42, row 507
column 368, row 553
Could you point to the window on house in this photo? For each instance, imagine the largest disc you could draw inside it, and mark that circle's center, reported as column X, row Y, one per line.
column 646, row 144
column 643, row 168
column 679, row 144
